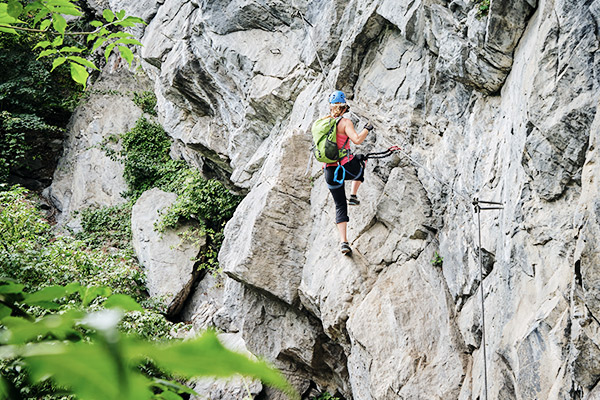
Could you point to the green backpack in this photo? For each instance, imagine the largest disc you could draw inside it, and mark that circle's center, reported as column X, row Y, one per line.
column 324, row 134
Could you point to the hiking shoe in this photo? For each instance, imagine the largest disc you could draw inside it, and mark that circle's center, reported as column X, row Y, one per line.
column 353, row 201
column 345, row 247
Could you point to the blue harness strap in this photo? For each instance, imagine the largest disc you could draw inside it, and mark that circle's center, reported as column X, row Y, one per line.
column 340, row 180
column 336, row 174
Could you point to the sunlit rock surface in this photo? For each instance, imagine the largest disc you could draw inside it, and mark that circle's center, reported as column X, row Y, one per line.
column 500, row 107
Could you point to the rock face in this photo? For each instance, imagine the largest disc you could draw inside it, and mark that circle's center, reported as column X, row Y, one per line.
column 86, row 176
column 500, row 107
column 168, row 258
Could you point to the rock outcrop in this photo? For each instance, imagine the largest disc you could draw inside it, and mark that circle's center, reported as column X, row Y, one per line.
column 86, row 175
column 499, row 107
column 169, row 258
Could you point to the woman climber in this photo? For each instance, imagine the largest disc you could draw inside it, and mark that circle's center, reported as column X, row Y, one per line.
column 349, row 167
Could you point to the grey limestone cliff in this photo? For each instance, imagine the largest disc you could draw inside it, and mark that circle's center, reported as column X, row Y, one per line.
column 499, row 107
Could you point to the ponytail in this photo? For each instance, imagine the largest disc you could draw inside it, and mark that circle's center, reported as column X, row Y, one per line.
column 338, row 110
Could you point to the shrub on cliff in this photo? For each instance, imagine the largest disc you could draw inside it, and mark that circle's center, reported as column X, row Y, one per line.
column 145, row 154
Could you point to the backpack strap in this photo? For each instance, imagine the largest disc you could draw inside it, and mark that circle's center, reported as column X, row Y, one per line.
column 334, row 126
column 348, row 151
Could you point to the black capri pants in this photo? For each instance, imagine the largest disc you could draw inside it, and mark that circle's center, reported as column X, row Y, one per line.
column 354, row 172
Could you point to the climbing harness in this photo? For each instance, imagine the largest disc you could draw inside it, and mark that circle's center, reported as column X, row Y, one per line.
column 340, row 180
column 340, row 170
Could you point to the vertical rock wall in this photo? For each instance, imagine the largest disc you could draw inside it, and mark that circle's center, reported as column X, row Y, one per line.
column 500, row 107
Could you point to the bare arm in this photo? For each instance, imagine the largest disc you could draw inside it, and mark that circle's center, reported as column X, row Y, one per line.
column 357, row 138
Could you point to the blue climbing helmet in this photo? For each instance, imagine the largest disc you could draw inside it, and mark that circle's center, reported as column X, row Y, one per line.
column 337, row 97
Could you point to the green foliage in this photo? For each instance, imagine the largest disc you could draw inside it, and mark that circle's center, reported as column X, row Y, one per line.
column 26, row 84
column 31, row 254
column 146, row 158
column 483, row 8
column 21, row 223
column 106, row 227
column 150, row 326
column 437, row 260
column 16, row 131
column 35, row 104
column 85, row 354
column 146, row 101
column 148, row 164
column 207, row 201
column 46, row 19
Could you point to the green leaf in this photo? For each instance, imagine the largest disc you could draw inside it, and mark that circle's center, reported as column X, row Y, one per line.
column 119, row 35
column 121, row 14
column 45, row 24
column 4, row 311
column 108, row 49
column 7, row 30
column 99, row 42
column 11, row 287
column 32, row 6
column 96, row 24
column 42, row 44
column 108, row 15
column 67, row 11
column 131, row 21
column 71, row 49
column 128, row 41
column 88, row 294
column 136, row 20
column 58, row 41
column 59, row 3
column 51, row 292
column 167, row 395
column 14, row 8
column 123, row 302
column 3, row 389
column 206, row 356
column 47, row 53
column 59, row 23
column 126, row 24
column 92, row 371
column 48, row 305
column 20, row 331
column 82, row 61
column 5, row 17
column 42, row 13
column 126, row 53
